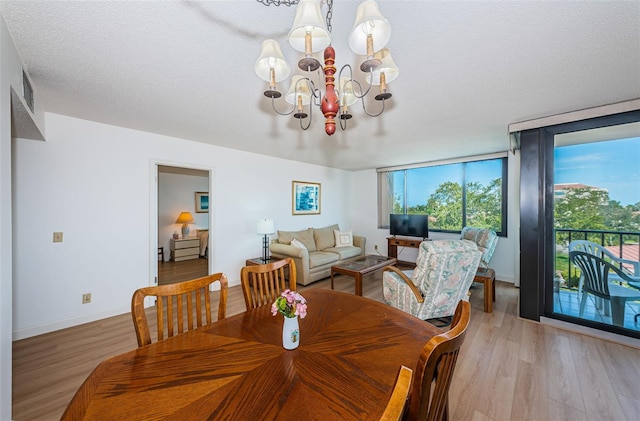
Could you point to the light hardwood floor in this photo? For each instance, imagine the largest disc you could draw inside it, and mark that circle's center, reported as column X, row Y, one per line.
column 170, row 272
column 509, row 368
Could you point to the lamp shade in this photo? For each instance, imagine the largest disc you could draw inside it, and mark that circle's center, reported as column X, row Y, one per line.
column 185, row 218
column 309, row 19
column 271, row 58
column 369, row 20
column 388, row 67
column 298, row 89
column 265, row 227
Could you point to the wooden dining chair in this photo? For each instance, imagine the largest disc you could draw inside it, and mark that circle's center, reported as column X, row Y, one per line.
column 262, row 284
column 173, row 298
column 398, row 401
column 429, row 398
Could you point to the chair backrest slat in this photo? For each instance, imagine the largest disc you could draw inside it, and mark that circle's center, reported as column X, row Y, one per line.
column 207, row 306
column 160, row 304
column 262, row 284
column 199, row 307
column 180, row 299
column 196, row 290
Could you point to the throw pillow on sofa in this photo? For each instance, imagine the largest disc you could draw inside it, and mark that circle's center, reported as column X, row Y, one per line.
column 298, row 244
column 304, row 236
column 324, row 237
column 343, row 238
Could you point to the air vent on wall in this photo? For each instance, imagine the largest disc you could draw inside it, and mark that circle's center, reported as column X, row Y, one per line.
column 27, row 91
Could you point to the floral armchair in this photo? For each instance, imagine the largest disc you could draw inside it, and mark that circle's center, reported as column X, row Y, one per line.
column 485, row 239
column 442, row 277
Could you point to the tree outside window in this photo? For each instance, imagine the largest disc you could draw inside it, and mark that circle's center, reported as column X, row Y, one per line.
column 453, row 195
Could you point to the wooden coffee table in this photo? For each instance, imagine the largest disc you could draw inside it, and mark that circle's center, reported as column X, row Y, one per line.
column 360, row 267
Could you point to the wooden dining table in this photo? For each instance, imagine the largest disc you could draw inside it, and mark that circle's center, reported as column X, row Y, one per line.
column 351, row 350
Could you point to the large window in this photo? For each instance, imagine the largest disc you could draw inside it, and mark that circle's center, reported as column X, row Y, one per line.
column 454, row 195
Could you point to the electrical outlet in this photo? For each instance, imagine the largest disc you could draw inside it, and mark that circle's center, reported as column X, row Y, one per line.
column 375, row 247
column 57, row 237
column 86, row 298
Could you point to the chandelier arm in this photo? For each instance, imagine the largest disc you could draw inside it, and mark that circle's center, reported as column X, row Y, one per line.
column 362, row 94
column 372, row 115
column 315, row 92
column 343, row 124
column 273, row 105
column 303, row 127
column 342, row 69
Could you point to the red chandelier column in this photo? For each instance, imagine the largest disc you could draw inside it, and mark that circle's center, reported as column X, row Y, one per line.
column 330, row 104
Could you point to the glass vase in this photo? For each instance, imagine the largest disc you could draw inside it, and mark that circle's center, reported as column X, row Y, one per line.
column 290, row 333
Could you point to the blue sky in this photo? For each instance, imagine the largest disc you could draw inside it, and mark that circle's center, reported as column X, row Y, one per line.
column 613, row 165
column 424, row 182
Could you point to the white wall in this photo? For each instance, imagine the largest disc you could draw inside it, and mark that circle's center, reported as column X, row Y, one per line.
column 364, row 215
column 92, row 182
column 5, row 223
column 176, row 193
column 10, row 78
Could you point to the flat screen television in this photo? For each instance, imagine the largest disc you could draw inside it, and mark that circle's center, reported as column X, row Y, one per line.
column 409, row 225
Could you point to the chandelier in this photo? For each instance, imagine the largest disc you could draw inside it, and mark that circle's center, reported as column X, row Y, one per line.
column 309, row 34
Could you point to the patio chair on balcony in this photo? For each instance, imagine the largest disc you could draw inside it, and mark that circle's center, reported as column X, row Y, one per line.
column 597, row 274
column 632, row 267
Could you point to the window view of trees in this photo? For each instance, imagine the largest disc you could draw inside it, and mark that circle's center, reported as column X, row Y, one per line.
column 590, row 208
column 453, row 195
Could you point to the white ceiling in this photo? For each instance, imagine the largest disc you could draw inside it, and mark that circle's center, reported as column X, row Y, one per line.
column 467, row 70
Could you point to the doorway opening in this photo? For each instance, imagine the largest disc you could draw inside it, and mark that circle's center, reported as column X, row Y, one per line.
column 183, row 246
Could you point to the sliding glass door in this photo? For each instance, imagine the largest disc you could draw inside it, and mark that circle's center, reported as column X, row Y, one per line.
column 580, row 190
column 596, row 210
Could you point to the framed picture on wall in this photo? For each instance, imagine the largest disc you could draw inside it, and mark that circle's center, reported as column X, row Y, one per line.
column 202, row 202
column 306, row 198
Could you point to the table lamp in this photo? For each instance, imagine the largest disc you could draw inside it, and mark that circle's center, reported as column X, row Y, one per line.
column 265, row 227
column 185, row 218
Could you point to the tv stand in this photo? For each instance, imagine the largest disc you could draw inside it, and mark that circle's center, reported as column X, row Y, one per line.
column 393, row 243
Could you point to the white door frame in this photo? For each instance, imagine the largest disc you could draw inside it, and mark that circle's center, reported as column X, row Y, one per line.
column 153, row 214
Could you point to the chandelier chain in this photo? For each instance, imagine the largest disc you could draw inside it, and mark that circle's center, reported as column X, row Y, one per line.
column 279, row 2
column 329, row 14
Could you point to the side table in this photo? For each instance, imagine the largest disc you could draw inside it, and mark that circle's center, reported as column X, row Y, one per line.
column 488, row 278
column 258, row 261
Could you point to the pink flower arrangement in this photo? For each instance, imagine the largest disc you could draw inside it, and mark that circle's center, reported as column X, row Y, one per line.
column 290, row 304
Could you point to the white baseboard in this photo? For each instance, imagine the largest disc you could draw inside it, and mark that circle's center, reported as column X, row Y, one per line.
column 505, row 278
column 596, row 333
column 51, row 327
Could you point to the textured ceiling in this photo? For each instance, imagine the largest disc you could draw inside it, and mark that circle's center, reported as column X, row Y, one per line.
column 467, row 70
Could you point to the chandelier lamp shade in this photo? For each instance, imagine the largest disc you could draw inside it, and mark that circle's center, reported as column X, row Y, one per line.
column 185, row 218
column 265, row 227
column 311, row 34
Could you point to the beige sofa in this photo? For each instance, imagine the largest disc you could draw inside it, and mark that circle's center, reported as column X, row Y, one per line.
column 315, row 250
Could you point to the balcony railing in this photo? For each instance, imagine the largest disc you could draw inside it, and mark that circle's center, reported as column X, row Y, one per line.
column 615, row 241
